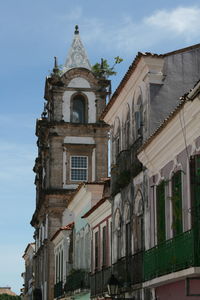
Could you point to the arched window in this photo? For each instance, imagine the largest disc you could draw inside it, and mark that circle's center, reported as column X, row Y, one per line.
column 127, row 129
column 116, row 137
column 78, row 109
column 139, row 118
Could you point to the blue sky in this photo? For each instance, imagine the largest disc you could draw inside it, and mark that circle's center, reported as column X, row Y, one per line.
column 32, row 33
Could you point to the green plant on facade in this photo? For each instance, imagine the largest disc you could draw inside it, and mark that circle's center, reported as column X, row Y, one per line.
column 103, row 69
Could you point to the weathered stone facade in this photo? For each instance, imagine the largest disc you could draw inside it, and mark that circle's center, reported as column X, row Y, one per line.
column 69, row 151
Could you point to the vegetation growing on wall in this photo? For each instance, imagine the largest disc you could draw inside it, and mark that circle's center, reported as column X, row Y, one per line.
column 103, row 69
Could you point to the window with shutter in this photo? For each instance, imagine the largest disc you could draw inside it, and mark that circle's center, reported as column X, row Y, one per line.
column 96, row 241
column 128, row 239
column 195, row 186
column 176, row 198
column 104, row 246
column 160, row 212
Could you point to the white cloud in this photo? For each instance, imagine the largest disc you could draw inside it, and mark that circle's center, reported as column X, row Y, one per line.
column 127, row 36
column 182, row 20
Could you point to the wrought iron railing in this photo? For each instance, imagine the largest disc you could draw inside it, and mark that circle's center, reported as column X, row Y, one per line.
column 127, row 166
column 78, row 279
column 58, row 289
column 98, row 281
column 127, row 270
column 172, row 255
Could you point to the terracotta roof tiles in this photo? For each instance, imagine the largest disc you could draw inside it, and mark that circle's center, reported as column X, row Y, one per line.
column 67, row 227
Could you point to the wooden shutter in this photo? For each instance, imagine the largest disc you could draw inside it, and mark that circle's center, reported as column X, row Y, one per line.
column 160, row 212
column 96, row 249
column 195, row 186
column 177, row 203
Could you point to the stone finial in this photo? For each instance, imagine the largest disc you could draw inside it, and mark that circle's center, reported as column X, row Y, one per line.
column 77, row 56
column 55, row 69
column 55, row 62
column 76, row 30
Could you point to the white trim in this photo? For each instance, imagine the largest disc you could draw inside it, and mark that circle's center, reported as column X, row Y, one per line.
column 76, row 168
column 78, row 140
column 94, row 164
column 175, row 276
column 70, row 186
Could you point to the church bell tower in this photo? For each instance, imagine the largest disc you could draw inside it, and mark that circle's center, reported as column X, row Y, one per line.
column 72, row 148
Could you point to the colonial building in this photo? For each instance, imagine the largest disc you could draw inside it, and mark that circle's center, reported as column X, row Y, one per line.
column 127, row 228
column 72, row 244
column 99, row 219
column 29, row 273
column 147, row 94
column 172, row 160
column 72, row 148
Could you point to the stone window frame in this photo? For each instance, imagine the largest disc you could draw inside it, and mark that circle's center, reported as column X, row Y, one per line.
column 79, row 168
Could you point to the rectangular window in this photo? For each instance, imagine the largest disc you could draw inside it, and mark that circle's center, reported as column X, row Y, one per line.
column 79, row 168
column 104, row 246
column 160, row 212
column 177, row 224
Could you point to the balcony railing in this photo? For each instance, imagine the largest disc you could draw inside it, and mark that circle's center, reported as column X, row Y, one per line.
column 128, row 270
column 58, row 289
column 127, row 166
column 98, row 282
column 176, row 254
column 78, row 279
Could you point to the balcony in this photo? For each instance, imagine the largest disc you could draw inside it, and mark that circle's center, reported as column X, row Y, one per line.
column 98, row 282
column 178, row 253
column 127, row 166
column 78, row 279
column 58, row 289
column 128, row 270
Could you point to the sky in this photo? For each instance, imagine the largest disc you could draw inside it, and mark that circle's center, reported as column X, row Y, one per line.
column 31, row 34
